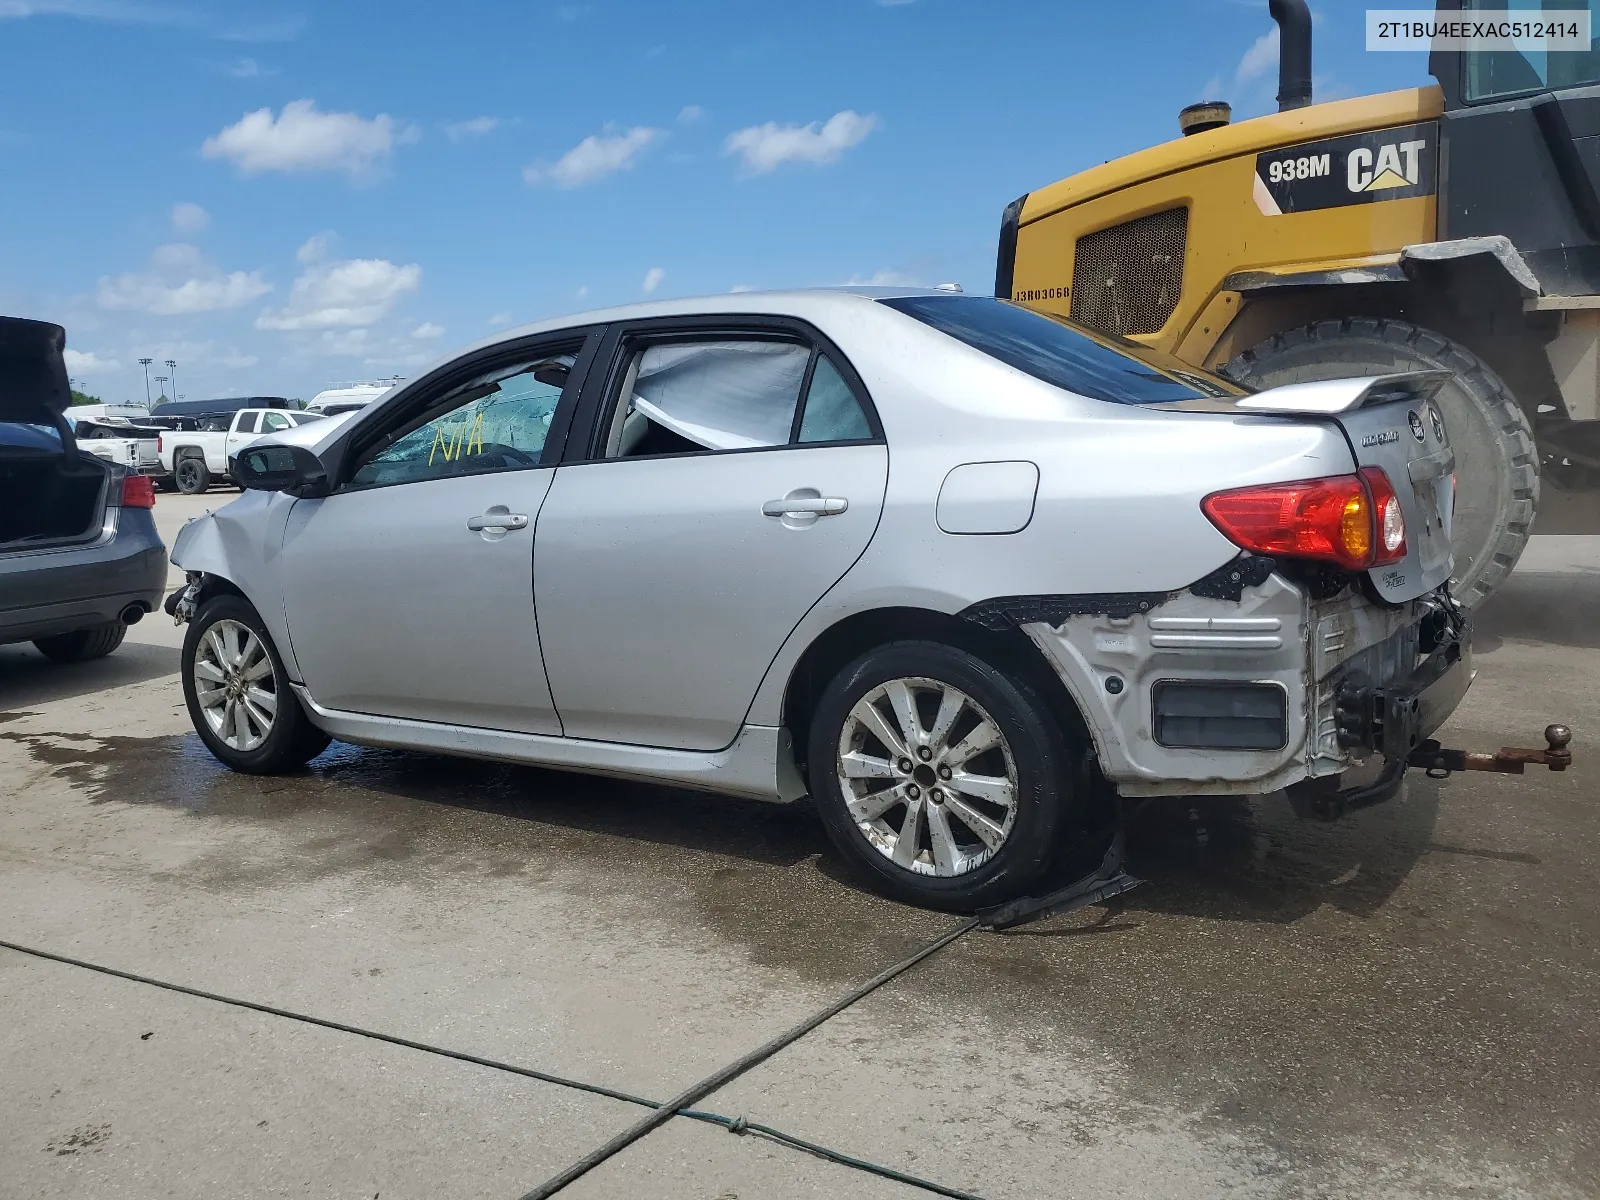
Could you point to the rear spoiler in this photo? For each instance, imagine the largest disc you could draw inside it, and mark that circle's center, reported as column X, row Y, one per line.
column 1329, row 397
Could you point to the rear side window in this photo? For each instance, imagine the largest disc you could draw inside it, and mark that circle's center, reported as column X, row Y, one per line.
column 247, row 422
column 833, row 414
column 1059, row 352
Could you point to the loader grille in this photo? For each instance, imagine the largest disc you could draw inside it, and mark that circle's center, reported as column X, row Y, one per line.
column 1127, row 279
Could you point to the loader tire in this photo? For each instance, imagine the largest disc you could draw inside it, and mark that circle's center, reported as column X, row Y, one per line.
column 1497, row 467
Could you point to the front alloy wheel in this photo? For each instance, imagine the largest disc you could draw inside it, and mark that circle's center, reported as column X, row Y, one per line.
column 235, row 685
column 238, row 692
column 928, row 776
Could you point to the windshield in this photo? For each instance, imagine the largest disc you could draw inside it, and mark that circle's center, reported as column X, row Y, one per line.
column 1061, row 353
column 1526, row 66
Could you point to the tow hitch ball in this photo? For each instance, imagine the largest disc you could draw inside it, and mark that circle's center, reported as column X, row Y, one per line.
column 1439, row 762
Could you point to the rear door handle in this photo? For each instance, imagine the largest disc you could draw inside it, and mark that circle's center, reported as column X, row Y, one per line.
column 497, row 520
column 805, row 506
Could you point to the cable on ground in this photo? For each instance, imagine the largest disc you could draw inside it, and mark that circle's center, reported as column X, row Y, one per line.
column 733, row 1124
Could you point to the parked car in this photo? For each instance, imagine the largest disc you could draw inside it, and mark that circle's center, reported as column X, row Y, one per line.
column 217, row 405
column 80, row 559
column 351, row 397
column 948, row 564
column 131, row 446
column 196, row 458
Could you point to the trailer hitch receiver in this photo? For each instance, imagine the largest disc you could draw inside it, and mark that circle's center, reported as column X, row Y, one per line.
column 1440, row 762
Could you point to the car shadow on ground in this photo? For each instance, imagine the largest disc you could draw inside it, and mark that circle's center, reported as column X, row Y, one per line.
column 1234, row 860
column 28, row 677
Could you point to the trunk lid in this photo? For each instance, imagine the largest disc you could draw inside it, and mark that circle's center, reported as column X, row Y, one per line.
column 33, row 372
column 1391, row 422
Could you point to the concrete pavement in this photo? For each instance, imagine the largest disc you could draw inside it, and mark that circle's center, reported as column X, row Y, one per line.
column 1399, row 1004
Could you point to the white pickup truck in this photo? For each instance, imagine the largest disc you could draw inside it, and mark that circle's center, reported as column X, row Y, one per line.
column 195, row 459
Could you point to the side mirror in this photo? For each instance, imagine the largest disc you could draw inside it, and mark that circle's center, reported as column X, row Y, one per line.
column 271, row 468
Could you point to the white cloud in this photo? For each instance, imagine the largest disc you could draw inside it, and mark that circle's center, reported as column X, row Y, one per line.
column 500, row 319
column 341, row 292
column 888, row 277
column 247, row 68
column 303, row 139
column 137, row 12
column 181, row 280
column 189, row 219
column 741, row 287
column 690, row 113
column 427, row 331
column 1259, row 59
column 766, row 147
column 477, row 127
column 583, row 291
column 652, row 279
column 316, row 247
column 597, row 156
column 87, row 362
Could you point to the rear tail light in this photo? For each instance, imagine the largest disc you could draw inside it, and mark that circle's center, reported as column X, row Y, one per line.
column 160, row 444
column 138, row 492
column 1352, row 520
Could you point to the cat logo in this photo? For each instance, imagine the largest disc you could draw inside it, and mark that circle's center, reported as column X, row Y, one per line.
column 1395, row 165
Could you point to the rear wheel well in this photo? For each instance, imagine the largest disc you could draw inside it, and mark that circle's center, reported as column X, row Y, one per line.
column 1009, row 650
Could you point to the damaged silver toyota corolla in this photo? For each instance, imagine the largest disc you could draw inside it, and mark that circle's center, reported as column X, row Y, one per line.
column 945, row 563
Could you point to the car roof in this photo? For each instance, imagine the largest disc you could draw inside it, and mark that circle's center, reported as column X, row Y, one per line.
column 800, row 302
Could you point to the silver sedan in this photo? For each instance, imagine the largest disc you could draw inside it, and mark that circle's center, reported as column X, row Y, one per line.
column 950, row 566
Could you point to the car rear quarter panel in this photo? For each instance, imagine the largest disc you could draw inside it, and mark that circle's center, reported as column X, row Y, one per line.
column 1118, row 505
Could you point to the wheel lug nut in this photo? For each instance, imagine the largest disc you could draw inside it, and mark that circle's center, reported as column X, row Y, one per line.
column 913, row 791
column 944, row 772
column 924, row 754
column 905, row 765
column 936, row 795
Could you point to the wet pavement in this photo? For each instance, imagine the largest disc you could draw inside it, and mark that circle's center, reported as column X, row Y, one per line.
column 1401, row 1004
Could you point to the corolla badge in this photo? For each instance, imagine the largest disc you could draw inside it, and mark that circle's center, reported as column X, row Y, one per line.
column 1382, row 438
column 1416, row 425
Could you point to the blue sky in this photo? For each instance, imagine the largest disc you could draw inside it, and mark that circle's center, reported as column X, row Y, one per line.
column 282, row 197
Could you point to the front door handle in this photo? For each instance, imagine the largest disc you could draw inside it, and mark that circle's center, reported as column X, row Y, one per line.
column 497, row 520
column 805, row 506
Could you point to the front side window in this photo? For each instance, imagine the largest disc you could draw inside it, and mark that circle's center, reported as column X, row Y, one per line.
column 497, row 421
column 686, row 397
column 271, row 422
column 1062, row 353
column 1523, row 65
column 304, row 418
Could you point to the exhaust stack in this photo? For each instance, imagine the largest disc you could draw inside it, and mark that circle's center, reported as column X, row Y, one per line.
column 1294, row 52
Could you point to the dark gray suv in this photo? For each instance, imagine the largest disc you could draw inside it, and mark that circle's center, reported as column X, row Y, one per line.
column 80, row 558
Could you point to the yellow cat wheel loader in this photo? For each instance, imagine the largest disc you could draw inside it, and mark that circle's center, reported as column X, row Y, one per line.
column 1455, row 226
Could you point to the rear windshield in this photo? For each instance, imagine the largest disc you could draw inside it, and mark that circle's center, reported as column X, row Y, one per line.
column 1061, row 353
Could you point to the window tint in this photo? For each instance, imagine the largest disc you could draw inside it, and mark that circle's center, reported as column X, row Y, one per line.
column 833, row 414
column 247, row 422
column 1523, row 64
column 1059, row 352
column 497, row 422
column 681, row 397
column 304, row 418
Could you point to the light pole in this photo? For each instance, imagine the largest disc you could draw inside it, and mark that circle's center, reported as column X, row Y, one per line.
column 145, row 363
column 162, row 380
column 172, row 370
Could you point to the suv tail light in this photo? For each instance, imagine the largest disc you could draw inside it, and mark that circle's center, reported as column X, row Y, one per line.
column 1352, row 520
column 138, row 492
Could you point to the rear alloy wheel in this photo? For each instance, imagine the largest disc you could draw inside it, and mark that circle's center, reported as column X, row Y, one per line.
column 83, row 644
column 238, row 692
column 942, row 779
column 192, row 476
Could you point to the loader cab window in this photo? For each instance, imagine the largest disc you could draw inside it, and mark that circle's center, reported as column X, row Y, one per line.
column 1523, row 66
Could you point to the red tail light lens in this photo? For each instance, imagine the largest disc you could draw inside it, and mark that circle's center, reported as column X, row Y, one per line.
column 1352, row 520
column 160, row 443
column 138, row 492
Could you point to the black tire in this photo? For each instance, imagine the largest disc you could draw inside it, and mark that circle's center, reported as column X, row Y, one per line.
column 292, row 740
column 1497, row 467
column 191, row 475
column 1046, row 805
column 83, row 644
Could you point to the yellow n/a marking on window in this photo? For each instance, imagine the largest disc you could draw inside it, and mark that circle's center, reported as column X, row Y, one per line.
column 458, row 441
